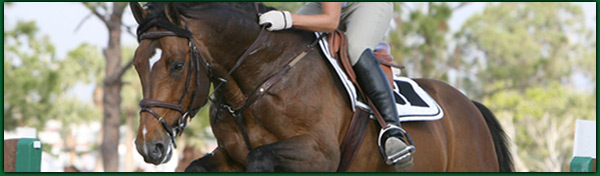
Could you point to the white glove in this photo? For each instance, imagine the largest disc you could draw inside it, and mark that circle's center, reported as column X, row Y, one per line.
column 279, row 20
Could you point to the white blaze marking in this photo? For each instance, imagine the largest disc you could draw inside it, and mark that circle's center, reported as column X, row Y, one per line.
column 155, row 58
column 144, row 131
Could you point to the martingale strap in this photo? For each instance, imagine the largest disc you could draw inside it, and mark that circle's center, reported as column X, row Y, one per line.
column 252, row 49
column 261, row 90
column 265, row 86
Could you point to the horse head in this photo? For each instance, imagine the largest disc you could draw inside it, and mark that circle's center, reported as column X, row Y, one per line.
column 174, row 77
column 183, row 47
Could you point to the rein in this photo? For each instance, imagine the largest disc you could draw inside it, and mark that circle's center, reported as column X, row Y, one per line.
column 261, row 90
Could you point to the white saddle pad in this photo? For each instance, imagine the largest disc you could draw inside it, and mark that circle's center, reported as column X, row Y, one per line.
column 412, row 102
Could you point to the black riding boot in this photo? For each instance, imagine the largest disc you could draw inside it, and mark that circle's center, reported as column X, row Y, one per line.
column 373, row 82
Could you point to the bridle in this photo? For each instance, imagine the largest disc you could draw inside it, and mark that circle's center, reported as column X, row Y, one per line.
column 195, row 61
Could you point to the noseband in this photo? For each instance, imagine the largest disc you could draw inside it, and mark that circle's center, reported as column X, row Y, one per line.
column 194, row 66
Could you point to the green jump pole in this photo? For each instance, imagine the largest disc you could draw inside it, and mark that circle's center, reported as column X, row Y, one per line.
column 29, row 155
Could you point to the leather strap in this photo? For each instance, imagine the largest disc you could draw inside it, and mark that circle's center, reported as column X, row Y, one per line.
column 157, row 34
column 163, row 123
column 147, row 104
column 353, row 138
column 265, row 86
column 350, row 143
column 154, row 103
column 260, row 91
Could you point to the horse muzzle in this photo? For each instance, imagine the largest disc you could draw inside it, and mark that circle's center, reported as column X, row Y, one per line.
column 157, row 152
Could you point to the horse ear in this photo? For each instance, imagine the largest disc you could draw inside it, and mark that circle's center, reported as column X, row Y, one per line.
column 172, row 14
column 138, row 11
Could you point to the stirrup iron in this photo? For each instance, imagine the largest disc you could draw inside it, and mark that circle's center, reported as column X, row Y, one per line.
column 404, row 153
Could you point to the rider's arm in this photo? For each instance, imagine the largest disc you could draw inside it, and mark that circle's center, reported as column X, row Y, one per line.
column 328, row 21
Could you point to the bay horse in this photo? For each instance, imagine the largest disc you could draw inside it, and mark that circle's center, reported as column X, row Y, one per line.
column 298, row 121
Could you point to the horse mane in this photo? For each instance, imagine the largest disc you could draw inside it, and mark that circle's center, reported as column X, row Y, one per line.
column 241, row 6
column 195, row 10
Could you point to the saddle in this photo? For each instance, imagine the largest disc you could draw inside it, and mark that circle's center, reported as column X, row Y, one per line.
column 338, row 48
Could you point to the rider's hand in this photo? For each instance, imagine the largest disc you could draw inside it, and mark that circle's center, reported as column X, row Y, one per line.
column 279, row 20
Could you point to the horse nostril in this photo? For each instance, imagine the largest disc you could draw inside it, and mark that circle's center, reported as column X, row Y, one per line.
column 160, row 146
column 157, row 151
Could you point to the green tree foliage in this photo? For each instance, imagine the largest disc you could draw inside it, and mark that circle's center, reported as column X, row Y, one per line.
column 37, row 85
column 30, row 76
column 419, row 42
column 522, row 58
column 518, row 45
column 540, row 123
column 86, row 63
column 83, row 65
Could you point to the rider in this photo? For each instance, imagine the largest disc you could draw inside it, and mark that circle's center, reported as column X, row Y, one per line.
column 364, row 24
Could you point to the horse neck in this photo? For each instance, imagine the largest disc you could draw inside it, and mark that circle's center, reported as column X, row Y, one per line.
column 227, row 33
column 278, row 49
column 233, row 39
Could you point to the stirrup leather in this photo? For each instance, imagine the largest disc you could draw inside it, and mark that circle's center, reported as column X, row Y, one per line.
column 406, row 152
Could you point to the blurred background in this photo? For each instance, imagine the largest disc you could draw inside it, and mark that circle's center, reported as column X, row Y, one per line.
column 68, row 78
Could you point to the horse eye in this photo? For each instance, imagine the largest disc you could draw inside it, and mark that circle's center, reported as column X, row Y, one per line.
column 177, row 66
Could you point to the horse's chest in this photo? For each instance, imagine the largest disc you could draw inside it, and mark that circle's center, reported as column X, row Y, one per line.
column 230, row 136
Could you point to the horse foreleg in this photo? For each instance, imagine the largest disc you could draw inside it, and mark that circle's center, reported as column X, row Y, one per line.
column 299, row 153
column 216, row 161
